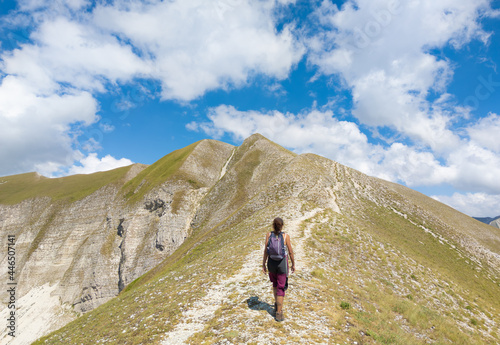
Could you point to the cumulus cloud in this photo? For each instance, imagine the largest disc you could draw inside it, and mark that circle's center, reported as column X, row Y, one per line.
column 92, row 163
column 473, row 204
column 320, row 132
column 477, row 168
column 414, row 168
column 381, row 49
column 485, row 132
column 35, row 130
column 73, row 53
column 199, row 45
column 52, row 79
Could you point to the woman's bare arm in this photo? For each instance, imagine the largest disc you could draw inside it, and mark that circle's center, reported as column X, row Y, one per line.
column 290, row 252
column 264, row 268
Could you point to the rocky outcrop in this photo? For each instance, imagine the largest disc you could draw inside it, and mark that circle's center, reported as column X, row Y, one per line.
column 85, row 252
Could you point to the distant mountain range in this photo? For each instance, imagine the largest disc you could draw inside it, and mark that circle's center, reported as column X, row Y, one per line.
column 490, row 221
column 171, row 253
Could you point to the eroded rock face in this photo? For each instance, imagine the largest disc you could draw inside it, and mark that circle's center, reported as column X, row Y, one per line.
column 79, row 255
column 84, row 253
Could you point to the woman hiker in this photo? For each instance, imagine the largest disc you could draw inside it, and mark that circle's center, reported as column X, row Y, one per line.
column 276, row 252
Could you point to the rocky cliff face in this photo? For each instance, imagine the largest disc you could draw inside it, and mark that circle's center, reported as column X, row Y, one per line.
column 411, row 268
column 83, row 253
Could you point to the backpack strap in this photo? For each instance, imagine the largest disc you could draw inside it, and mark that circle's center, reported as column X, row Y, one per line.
column 285, row 248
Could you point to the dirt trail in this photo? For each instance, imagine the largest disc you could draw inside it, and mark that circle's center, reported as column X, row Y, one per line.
column 202, row 311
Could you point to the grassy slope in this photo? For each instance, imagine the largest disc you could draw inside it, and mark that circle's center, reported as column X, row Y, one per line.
column 487, row 236
column 16, row 188
column 394, row 295
column 397, row 284
column 157, row 305
column 156, row 173
column 388, row 292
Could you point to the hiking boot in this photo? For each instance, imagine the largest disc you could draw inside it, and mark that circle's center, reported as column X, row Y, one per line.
column 280, row 317
column 275, row 308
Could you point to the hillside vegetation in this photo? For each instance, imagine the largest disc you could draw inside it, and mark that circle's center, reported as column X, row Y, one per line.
column 377, row 263
column 16, row 188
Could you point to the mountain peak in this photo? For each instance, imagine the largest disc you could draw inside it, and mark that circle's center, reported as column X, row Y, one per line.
column 256, row 136
column 375, row 260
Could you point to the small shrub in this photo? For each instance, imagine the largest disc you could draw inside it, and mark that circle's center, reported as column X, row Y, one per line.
column 345, row 305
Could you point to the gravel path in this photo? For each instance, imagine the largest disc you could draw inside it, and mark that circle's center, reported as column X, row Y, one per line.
column 195, row 318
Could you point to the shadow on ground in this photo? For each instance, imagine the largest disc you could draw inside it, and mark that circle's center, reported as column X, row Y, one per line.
column 255, row 304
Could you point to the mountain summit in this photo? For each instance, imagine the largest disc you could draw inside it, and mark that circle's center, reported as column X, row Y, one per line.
column 171, row 254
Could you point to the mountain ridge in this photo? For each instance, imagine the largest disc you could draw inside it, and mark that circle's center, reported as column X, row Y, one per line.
column 408, row 275
column 493, row 221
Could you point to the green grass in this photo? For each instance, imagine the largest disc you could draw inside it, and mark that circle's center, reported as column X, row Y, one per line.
column 378, row 291
column 157, row 173
column 16, row 188
column 428, row 251
column 156, row 300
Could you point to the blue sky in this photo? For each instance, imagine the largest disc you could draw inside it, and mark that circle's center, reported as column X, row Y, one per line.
column 405, row 91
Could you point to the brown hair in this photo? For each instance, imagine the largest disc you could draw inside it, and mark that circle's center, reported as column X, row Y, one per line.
column 277, row 225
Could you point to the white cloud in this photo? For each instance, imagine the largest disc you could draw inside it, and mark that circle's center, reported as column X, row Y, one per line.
column 486, row 131
column 477, row 168
column 196, row 46
column 190, row 47
column 76, row 54
column 321, row 133
column 381, row 50
column 35, row 130
column 414, row 168
column 467, row 166
column 473, row 204
column 91, row 164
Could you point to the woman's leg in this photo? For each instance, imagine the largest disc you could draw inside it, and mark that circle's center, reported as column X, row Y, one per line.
column 275, row 289
column 280, row 296
column 274, row 279
column 279, row 302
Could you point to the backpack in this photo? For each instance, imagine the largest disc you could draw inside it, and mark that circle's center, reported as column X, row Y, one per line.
column 276, row 247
